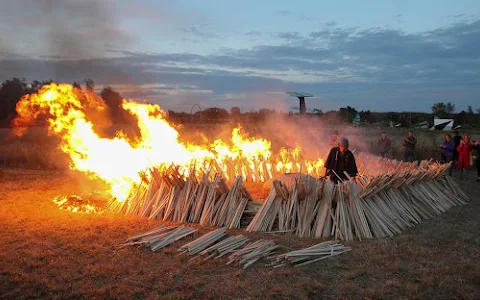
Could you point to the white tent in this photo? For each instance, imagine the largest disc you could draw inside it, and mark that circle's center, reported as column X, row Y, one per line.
column 442, row 124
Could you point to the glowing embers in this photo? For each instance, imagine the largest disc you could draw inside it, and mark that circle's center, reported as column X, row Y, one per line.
column 91, row 203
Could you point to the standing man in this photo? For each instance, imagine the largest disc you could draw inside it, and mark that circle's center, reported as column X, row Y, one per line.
column 341, row 160
column 456, row 140
column 384, row 145
column 409, row 145
column 334, row 139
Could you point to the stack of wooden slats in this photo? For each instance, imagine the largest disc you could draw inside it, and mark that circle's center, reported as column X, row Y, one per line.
column 373, row 206
column 240, row 251
column 160, row 237
column 224, row 247
column 309, row 255
column 252, row 252
column 169, row 196
column 203, row 242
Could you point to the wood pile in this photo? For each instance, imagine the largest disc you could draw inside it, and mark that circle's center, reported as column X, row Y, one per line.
column 252, row 252
column 224, row 247
column 169, row 196
column 240, row 250
column 310, row 255
column 203, row 242
column 372, row 206
column 260, row 168
column 160, row 237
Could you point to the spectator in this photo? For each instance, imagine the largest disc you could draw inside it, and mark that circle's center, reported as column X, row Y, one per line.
column 341, row 160
column 334, row 139
column 456, row 140
column 409, row 145
column 448, row 147
column 476, row 146
column 384, row 145
column 464, row 156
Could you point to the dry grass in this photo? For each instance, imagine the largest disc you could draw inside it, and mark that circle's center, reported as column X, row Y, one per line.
column 47, row 253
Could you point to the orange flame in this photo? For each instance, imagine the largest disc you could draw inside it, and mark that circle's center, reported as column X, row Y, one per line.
column 119, row 161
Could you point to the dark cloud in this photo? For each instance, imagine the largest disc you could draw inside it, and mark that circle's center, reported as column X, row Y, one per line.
column 377, row 69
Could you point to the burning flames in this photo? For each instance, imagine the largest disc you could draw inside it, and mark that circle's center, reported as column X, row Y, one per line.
column 72, row 115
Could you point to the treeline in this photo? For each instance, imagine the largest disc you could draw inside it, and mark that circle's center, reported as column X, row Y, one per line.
column 13, row 89
column 344, row 115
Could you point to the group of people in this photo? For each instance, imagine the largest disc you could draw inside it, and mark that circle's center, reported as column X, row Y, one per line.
column 457, row 150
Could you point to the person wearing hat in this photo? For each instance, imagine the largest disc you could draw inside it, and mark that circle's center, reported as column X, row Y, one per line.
column 341, row 160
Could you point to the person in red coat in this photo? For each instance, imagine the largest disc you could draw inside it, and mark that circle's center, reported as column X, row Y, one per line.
column 464, row 149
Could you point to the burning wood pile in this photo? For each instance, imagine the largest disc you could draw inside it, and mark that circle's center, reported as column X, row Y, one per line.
column 374, row 206
column 169, row 196
column 261, row 167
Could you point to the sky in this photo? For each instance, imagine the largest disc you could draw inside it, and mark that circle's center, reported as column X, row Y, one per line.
column 371, row 55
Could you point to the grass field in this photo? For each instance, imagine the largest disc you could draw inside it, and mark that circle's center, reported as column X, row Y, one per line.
column 48, row 253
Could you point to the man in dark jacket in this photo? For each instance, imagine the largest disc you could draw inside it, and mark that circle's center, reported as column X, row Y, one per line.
column 456, row 140
column 409, row 145
column 340, row 160
column 384, row 145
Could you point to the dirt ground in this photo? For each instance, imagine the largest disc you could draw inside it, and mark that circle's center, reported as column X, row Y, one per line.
column 54, row 254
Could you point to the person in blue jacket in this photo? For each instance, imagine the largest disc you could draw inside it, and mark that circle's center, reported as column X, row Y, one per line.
column 448, row 150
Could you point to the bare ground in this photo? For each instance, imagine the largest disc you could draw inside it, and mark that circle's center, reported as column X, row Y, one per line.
column 48, row 253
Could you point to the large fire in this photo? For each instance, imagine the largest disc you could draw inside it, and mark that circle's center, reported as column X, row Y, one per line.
column 119, row 161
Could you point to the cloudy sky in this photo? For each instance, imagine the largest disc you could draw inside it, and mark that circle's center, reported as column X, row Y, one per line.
column 381, row 55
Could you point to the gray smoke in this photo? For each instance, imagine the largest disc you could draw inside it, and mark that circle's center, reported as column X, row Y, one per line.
column 54, row 30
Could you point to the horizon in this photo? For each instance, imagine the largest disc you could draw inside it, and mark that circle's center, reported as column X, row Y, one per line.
column 382, row 57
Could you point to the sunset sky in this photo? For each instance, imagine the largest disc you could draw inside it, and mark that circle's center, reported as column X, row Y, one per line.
column 371, row 55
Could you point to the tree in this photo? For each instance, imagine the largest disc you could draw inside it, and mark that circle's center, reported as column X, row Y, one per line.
column 10, row 93
column 366, row 116
column 439, row 109
column 77, row 85
column 235, row 111
column 450, row 108
column 347, row 114
column 442, row 110
column 89, row 84
column 113, row 100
